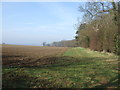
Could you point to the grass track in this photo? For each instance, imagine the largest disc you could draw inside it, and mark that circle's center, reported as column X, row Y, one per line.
column 76, row 68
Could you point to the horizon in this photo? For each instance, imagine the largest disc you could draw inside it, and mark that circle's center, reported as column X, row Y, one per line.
column 32, row 23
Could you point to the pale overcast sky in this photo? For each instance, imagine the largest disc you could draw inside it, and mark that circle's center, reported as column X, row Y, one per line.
column 33, row 23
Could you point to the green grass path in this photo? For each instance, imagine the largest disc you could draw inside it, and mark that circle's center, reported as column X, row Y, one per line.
column 76, row 68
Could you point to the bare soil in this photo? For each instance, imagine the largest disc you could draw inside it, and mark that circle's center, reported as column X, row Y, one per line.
column 18, row 55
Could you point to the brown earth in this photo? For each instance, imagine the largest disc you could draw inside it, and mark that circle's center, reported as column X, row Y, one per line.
column 19, row 55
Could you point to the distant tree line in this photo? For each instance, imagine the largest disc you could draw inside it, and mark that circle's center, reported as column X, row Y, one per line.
column 46, row 44
column 63, row 43
column 67, row 43
column 100, row 31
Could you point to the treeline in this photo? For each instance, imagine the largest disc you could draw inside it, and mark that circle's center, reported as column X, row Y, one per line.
column 67, row 43
column 63, row 43
column 100, row 31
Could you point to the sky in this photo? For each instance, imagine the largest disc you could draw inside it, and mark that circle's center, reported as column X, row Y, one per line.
column 32, row 23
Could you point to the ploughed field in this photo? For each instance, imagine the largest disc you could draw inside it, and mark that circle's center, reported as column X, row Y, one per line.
column 14, row 55
column 58, row 67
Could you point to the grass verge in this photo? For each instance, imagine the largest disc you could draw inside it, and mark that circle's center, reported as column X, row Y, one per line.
column 76, row 68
